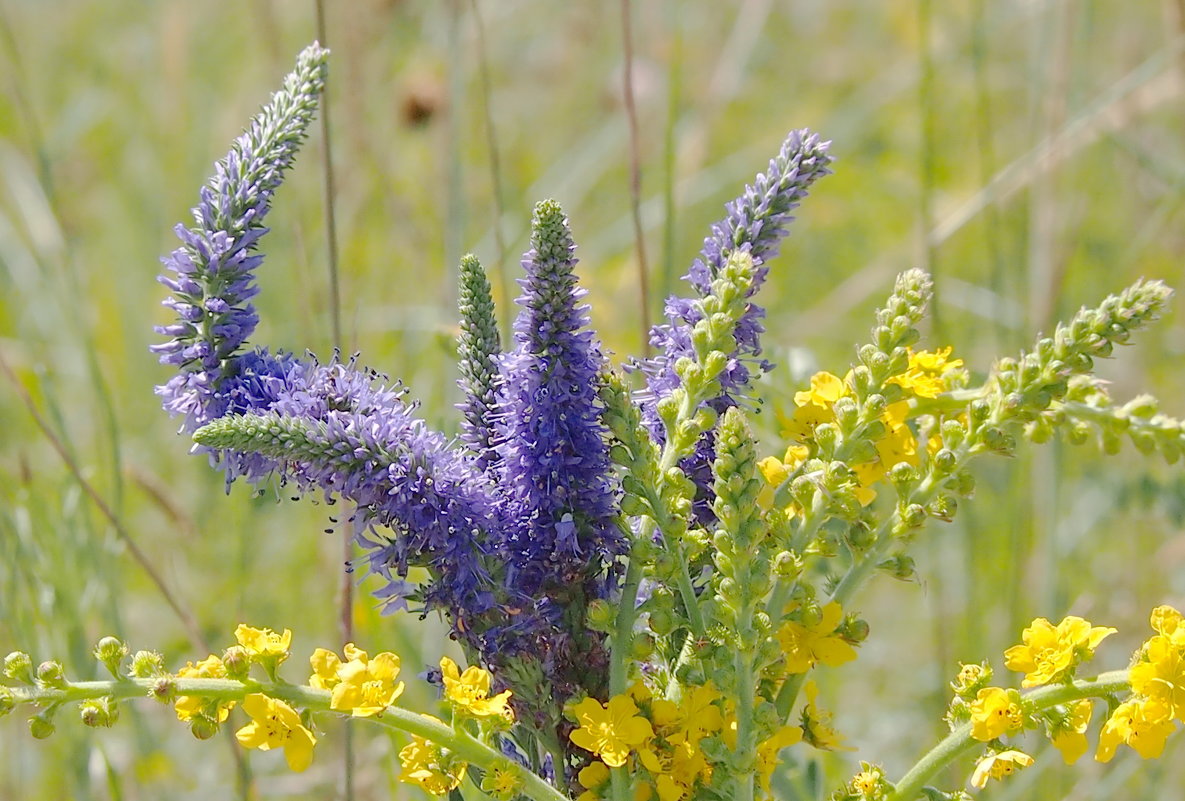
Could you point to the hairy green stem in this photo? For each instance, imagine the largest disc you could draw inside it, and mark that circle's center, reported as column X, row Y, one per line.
column 456, row 740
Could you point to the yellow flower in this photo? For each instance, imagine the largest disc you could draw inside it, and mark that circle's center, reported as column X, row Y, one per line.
column 994, row 713
column 813, row 407
column 816, row 723
column 190, row 706
column 274, row 724
column 1051, row 654
column 1167, row 622
column 869, row 782
column 699, row 713
column 1069, row 737
column 825, row 390
column 503, row 781
column 431, row 767
column 1160, row 675
column 768, row 749
column 804, row 646
column 897, row 445
column 1142, row 724
column 997, row 765
column 264, row 644
column 592, row 778
column 926, row 374
column 470, row 691
column 609, row 731
column 324, row 664
column 367, row 686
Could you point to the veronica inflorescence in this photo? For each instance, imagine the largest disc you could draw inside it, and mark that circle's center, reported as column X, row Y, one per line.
column 518, row 523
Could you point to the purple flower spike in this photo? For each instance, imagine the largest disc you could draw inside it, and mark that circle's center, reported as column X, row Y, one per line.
column 212, row 274
column 554, row 461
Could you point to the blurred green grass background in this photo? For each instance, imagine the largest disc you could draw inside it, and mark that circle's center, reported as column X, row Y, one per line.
column 1029, row 153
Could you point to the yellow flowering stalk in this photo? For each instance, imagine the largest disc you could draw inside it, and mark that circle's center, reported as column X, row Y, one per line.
column 1050, row 653
column 610, row 730
column 274, row 724
column 469, row 692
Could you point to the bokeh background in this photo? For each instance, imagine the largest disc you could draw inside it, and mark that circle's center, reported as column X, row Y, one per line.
column 1028, row 152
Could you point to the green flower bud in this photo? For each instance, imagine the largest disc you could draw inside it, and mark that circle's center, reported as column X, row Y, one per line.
column 147, row 664
column 846, row 413
column 900, row 567
column 203, row 727
column 971, row 679
column 811, row 615
column 903, row 475
column 861, row 538
column 643, row 647
column 979, row 410
column 50, row 673
column 945, row 461
column 662, row 622
column 164, row 689
column 1078, row 432
column 7, row 701
column 18, row 666
column 110, row 651
column 828, row 437
column 854, row 629
column 875, row 405
column 913, row 516
column 944, row 507
column 788, row 565
column 41, row 726
column 600, row 616
column 962, row 483
column 999, row 440
column 237, row 662
column 99, row 712
column 803, row 490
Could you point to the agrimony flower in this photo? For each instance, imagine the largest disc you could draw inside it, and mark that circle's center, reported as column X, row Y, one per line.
column 431, row 767
column 610, row 730
column 1050, row 653
column 816, row 723
column 998, row 765
column 367, row 686
column 1144, row 724
column 927, row 374
column 804, row 646
column 325, row 664
column 994, row 713
column 470, row 691
column 189, row 707
column 274, row 724
column 1068, row 734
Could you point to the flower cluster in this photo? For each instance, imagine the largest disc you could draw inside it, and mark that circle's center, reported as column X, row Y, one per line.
column 588, row 540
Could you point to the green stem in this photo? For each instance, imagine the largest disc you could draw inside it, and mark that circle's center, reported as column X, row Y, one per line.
column 960, row 742
column 456, row 740
column 623, row 632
